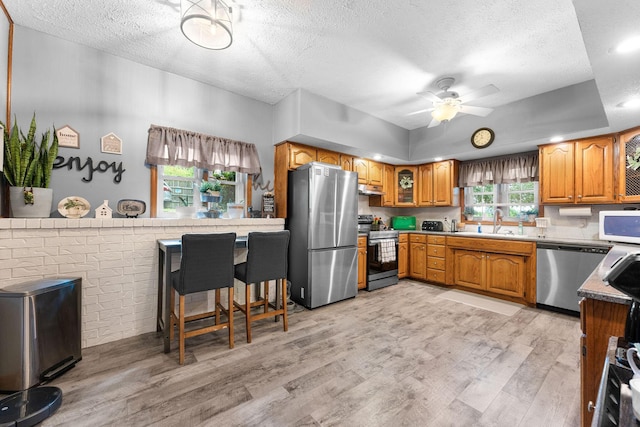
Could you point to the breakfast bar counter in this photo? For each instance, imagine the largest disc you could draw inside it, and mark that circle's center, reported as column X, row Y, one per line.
column 168, row 250
column 116, row 258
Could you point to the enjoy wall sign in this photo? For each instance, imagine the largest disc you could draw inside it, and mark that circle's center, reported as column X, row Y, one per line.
column 101, row 167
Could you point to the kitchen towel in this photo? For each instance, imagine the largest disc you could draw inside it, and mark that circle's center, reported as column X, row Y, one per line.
column 387, row 250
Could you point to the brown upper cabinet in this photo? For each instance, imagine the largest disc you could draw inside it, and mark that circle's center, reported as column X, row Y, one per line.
column 578, row 171
column 326, row 156
column 369, row 172
column 433, row 184
column 437, row 183
column 289, row 156
column 300, row 155
column 347, row 162
column 388, row 183
column 628, row 177
column 405, row 186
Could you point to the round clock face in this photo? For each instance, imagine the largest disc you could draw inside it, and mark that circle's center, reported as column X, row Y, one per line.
column 482, row 138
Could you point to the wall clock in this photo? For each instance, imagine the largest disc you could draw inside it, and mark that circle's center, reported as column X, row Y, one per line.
column 482, row 138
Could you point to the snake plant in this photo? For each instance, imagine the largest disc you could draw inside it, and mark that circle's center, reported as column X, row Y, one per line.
column 27, row 163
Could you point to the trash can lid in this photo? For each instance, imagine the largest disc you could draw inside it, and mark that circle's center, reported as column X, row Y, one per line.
column 30, row 407
column 36, row 287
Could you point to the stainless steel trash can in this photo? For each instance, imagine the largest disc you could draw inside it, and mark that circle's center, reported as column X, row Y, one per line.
column 39, row 332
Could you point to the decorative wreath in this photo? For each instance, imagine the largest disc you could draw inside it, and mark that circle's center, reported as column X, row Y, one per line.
column 406, row 182
column 633, row 161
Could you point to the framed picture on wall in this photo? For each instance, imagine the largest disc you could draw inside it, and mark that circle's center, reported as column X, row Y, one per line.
column 68, row 137
column 111, row 144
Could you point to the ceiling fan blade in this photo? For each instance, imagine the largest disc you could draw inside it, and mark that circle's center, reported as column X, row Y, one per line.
column 433, row 123
column 420, row 112
column 479, row 93
column 430, row 96
column 475, row 111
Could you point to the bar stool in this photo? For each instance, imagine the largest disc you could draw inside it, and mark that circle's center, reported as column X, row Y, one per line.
column 266, row 260
column 206, row 264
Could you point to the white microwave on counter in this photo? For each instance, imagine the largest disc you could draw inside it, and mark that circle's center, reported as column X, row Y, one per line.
column 620, row 226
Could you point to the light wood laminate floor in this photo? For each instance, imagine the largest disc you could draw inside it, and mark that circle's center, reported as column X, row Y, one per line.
column 396, row 356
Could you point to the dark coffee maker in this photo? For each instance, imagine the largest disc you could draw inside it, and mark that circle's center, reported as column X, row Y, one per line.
column 624, row 276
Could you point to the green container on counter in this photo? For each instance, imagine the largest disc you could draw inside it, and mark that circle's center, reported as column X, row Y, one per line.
column 403, row 222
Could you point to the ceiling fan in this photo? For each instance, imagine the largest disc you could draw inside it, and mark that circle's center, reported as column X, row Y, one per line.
column 447, row 104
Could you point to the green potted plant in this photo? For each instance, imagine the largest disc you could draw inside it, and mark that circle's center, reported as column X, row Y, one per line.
column 531, row 214
column 210, row 191
column 27, row 168
column 468, row 213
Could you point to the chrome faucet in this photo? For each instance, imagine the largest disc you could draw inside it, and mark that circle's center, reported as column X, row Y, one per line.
column 497, row 220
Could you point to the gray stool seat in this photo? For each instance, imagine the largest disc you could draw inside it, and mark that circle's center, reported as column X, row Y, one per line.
column 266, row 260
column 206, row 264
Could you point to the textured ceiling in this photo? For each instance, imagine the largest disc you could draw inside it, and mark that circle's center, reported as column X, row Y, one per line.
column 371, row 55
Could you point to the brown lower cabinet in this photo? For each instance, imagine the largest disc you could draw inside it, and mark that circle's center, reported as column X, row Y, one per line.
column 418, row 256
column 403, row 255
column 436, row 253
column 362, row 262
column 500, row 268
column 599, row 320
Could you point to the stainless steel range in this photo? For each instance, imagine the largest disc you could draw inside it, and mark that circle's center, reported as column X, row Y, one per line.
column 382, row 254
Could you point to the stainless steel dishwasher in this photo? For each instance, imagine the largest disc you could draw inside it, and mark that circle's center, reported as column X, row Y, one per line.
column 561, row 270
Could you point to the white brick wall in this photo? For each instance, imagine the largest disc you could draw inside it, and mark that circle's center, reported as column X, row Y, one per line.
column 117, row 260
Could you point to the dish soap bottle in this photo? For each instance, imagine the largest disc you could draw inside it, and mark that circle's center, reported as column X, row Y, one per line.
column 479, row 228
column 520, row 228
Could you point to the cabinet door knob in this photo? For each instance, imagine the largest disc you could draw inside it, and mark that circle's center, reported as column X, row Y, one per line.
column 591, row 406
column 579, row 196
column 570, row 197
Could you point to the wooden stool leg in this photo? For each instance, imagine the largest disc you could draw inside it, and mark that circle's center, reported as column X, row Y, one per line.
column 266, row 295
column 230, row 314
column 285, row 320
column 172, row 317
column 181, row 329
column 248, row 310
column 217, row 306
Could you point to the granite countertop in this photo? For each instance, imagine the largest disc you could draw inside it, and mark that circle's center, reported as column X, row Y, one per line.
column 595, row 288
column 552, row 240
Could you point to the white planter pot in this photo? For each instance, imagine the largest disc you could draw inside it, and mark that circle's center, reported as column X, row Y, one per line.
column 41, row 207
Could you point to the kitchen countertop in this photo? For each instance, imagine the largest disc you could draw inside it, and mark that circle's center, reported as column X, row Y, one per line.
column 593, row 287
column 558, row 240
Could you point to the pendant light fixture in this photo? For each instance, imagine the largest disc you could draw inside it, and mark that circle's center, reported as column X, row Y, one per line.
column 446, row 109
column 207, row 23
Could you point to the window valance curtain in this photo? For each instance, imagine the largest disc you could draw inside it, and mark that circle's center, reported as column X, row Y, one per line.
column 168, row 146
column 521, row 167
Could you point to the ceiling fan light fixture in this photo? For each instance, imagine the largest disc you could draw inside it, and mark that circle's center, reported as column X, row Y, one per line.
column 207, row 23
column 629, row 45
column 446, row 110
column 632, row 103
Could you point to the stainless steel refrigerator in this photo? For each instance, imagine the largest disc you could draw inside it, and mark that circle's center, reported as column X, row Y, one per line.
column 323, row 220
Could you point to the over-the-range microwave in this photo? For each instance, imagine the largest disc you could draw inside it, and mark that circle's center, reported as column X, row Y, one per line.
column 620, row 226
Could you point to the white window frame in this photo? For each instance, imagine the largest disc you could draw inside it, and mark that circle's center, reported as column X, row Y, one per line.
column 500, row 200
column 240, row 183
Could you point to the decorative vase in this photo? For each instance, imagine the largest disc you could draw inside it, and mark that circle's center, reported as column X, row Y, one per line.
column 41, row 207
column 210, row 197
